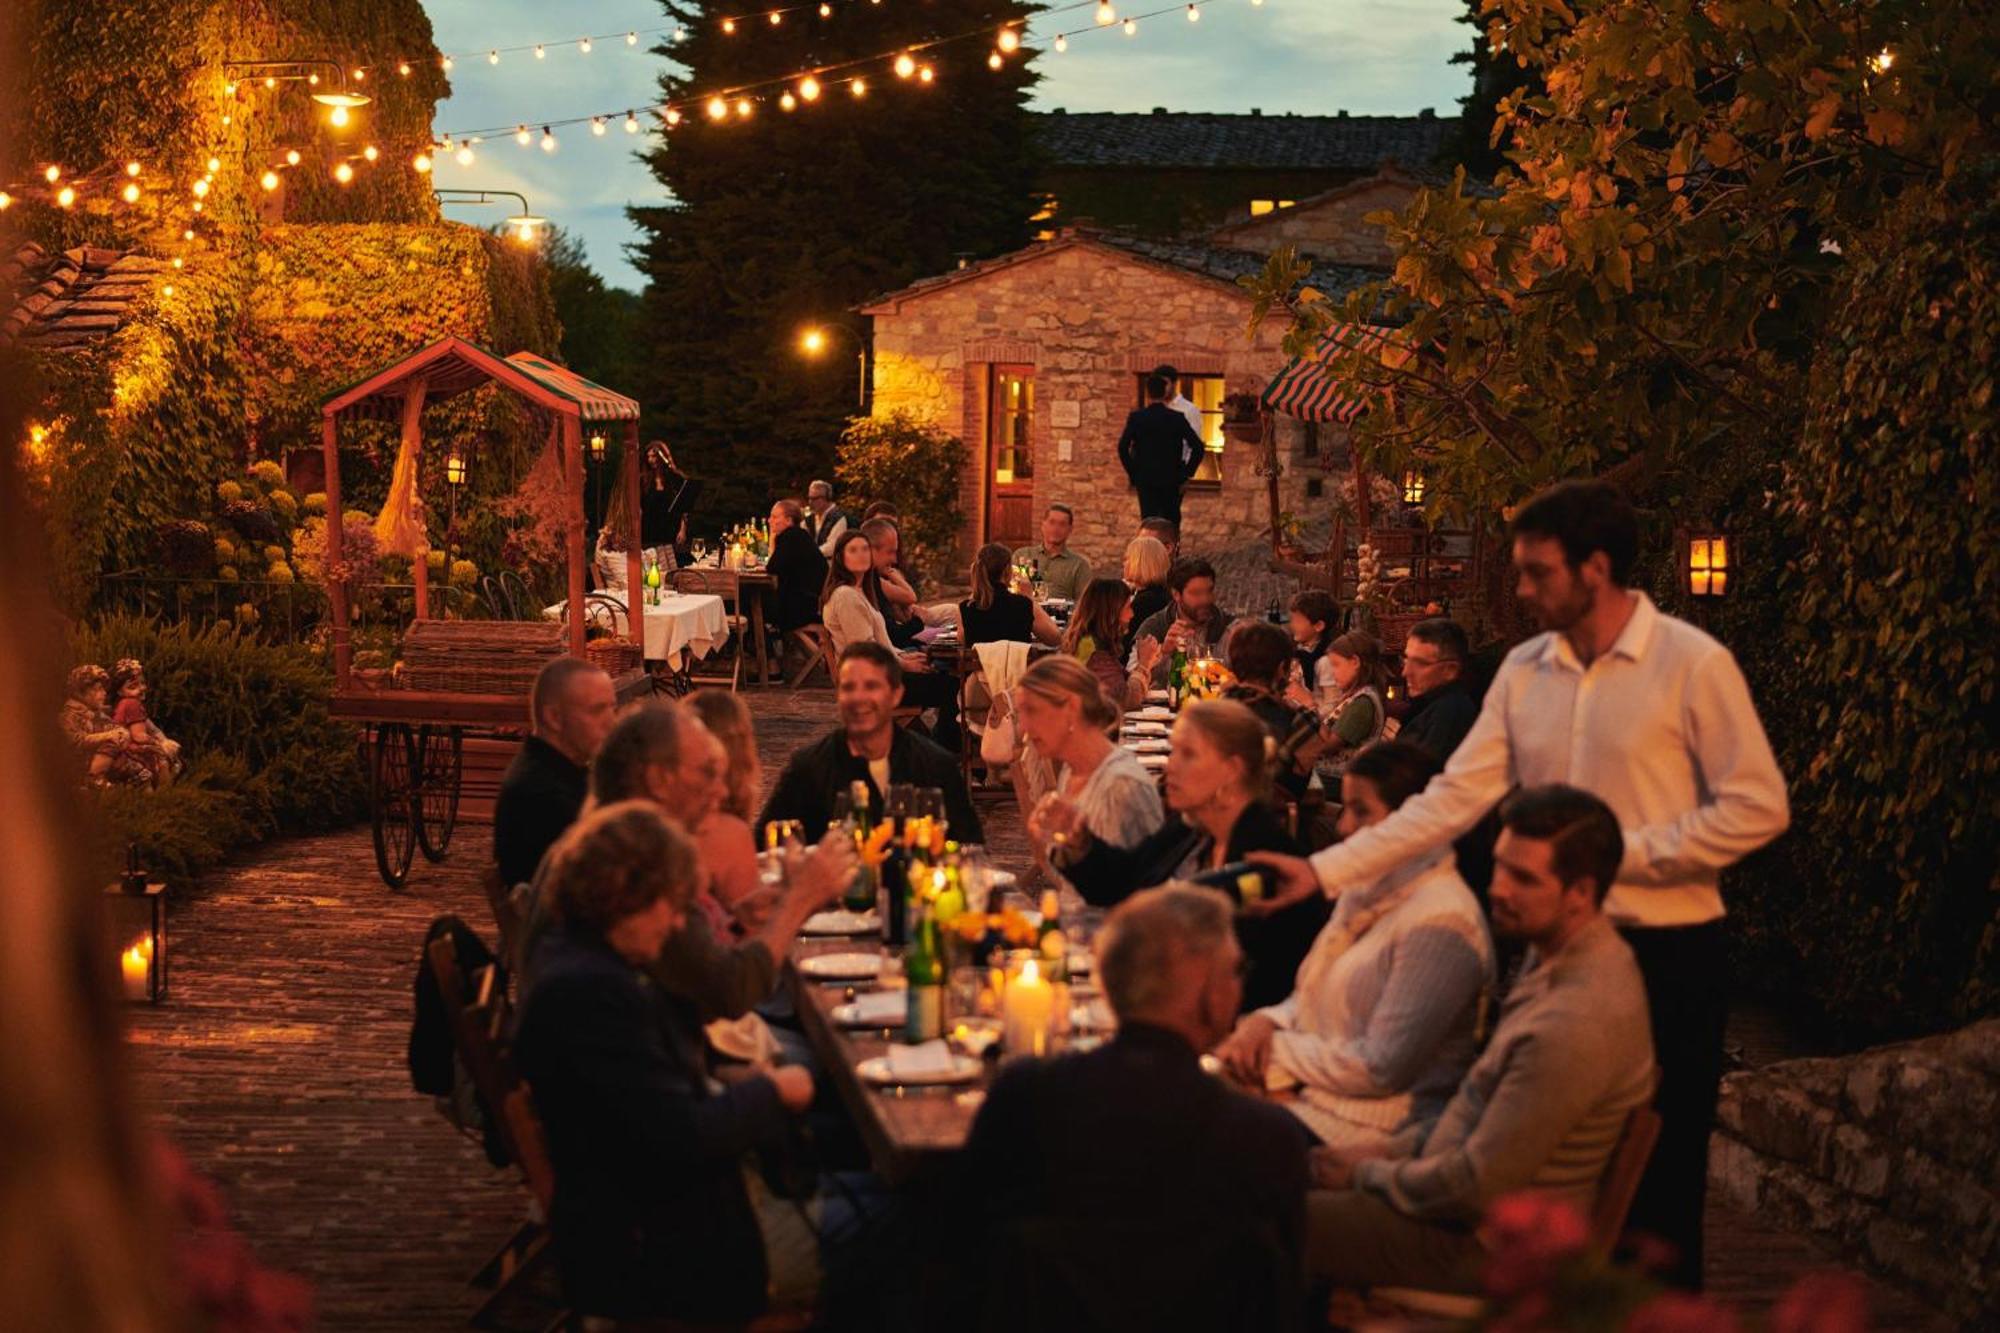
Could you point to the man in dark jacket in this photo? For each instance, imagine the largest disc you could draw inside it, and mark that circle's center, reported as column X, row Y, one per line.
column 868, row 747
column 1160, row 452
column 571, row 709
column 796, row 567
column 1193, row 1218
column 1442, row 708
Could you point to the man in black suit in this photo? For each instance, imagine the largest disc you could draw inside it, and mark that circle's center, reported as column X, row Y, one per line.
column 1160, row 452
column 1192, row 1193
column 796, row 566
column 868, row 747
column 571, row 709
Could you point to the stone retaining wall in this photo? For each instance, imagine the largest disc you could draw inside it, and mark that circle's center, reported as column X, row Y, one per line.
column 1891, row 1156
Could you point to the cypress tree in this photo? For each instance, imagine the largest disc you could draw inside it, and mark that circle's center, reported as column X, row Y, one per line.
column 780, row 219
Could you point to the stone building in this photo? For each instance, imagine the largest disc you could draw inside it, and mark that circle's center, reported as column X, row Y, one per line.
column 1034, row 358
column 1329, row 226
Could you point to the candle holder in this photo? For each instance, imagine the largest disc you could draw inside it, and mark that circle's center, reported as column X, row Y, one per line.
column 136, row 914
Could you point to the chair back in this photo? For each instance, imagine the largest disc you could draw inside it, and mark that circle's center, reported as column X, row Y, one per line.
column 531, row 1145
column 1621, row 1177
column 716, row 582
column 479, row 1011
column 1097, row 1276
column 506, row 913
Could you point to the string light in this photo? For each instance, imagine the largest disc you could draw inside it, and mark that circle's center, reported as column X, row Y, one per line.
column 343, row 173
column 597, row 126
column 167, row 290
column 1106, row 15
column 197, row 205
column 1010, row 41
column 788, row 102
column 826, row 11
column 632, row 38
column 179, row 262
column 229, row 90
column 673, row 117
column 994, row 60
column 492, row 57
column 1062, row 43
column 130, row 194
column 6, row 201
column 548, row 140
column 421, row 163
column 521, row 135
column 201, row 188
column 926, row 74
column 541, row 54
column 777, row 17
column 403, row 68
column 214, row 165
column 312, row 80
column 187, row 234
column 859, row 87
column 1194, row 14
column 291, row 157
column 729, row 27
column 1131, row 27
column 269, row 180
column 1882, row 60
column 631, row 123
column 905, row 65
column 444, row 63
column 337, row 116
column 360, row 75
column 52, row 175
column 133, row 168
column 65, row 197
column 371, row 152
column 744, row 107
column 717, row 109
column 809, row 88
column 463, row 156
column 583, row 45
column 270, row 82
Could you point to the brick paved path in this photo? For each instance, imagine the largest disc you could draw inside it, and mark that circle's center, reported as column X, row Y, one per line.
column 278, row 1064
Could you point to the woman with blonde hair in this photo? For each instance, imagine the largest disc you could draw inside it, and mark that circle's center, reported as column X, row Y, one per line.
column 1147, row 564
column 728, row 718
column 727, row 843
column 1063, row 713
column 1218, row 784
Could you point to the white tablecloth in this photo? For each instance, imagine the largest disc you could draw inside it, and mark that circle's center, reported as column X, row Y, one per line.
column 692, row 623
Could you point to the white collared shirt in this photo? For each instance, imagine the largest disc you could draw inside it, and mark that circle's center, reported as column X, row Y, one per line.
column 1660, row 727
column 1184, row 405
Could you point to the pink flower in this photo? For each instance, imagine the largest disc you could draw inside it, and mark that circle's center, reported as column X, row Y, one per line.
column 1829, row 1302
column 1528, row 1236
column 1678, row 1312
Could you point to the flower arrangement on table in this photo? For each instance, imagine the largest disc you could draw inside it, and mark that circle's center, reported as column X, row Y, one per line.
column 1207, row 678
column 987, row 933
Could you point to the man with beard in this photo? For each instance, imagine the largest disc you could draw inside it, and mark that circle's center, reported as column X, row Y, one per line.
column 868, row 747
column 1652, row 716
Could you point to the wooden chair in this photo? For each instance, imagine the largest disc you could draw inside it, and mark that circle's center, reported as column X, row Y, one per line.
column 506, row 913
column 719, row 583
column 1607, row 1223
column 817, row 646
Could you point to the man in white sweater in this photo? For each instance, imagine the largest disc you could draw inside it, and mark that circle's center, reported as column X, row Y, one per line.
column 1653, row 716
column 1542, row 1107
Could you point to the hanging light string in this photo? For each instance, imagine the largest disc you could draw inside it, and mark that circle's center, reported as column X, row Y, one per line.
column 902, row 60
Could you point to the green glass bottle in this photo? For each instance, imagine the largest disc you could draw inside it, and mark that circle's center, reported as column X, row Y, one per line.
column 923, row 968
column 1177, row 679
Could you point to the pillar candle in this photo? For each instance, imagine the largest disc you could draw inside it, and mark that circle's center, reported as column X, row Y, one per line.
column 134, row 964
column 1026, row 1011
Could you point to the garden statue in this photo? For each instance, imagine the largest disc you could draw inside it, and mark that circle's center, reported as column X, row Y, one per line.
column 144, row 742
column 87, row 724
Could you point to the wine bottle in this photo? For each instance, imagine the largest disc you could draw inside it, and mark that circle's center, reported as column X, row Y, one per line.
column 1050, row 941
column 861, row 890
column 1245, row 882
column 923, row 968
column 1177, row 679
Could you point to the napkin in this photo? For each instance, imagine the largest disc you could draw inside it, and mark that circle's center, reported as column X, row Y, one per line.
column 926, row 1060
column 880, row 1007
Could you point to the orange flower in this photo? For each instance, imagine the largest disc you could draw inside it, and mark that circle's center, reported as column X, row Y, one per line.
column 876, row 849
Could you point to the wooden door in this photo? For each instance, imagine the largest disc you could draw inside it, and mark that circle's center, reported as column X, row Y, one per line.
column 1010, row 454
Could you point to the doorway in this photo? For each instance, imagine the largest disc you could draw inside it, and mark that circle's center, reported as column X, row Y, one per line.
column 1010, row 454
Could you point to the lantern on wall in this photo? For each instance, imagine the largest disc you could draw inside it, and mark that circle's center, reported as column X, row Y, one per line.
column 597, row 446
column 454, row 468
column 1413, row 488
column 137, row 918
column 1708, row 564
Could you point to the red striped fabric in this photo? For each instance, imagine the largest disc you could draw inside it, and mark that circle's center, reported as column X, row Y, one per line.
column 1307, row 389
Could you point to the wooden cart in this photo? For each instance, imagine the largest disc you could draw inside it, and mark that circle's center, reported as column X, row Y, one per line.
column 414, row 738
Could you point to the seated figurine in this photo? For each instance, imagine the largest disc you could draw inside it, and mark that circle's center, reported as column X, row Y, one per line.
column 144, row 742
column 99, row 741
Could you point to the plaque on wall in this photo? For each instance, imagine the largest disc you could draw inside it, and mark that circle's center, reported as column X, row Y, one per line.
column 1066, row 414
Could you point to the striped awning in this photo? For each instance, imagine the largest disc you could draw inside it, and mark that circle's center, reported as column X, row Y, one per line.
column 1307, row 388
column 596, row 402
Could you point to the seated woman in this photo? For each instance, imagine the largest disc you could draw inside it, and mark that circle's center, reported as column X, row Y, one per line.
column 1217, row 785
column 996, row 613
column 1096, row 637
column 1353, row 709
column 1065, row 716
column 727, row 843
column 850, row 606
column 1260, row 657
column 652, row 1216
column 1382, row 1023
column 1146, row 567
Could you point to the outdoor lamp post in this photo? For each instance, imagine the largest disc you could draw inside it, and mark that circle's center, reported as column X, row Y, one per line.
column 1708, row 564
column 814, row 341
column 597, row 446
column 332, row 93
column 526, row 224
column 454, row 469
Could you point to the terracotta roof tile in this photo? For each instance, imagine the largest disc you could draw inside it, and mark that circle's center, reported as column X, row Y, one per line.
column 73, row 298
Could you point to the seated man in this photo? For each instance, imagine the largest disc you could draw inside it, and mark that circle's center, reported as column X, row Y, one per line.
column 653, row 1218
column 868, row 747
column 1164, row 531
column 1542, row 1108
column 1442, row 707
column 827, row 521
column 1194, row 623
column 1063, row 572
column 1133, row 1140
column 570, row 709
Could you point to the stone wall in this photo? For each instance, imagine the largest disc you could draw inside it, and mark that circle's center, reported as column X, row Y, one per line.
column 1090, row 321
column 1329, row 228
column 1892, row 1156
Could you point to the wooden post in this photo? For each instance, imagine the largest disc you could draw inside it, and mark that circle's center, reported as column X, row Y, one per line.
column 1268, row 428
column 413, row 428
column 336, row 588
column 572, row 468
column 635, row 544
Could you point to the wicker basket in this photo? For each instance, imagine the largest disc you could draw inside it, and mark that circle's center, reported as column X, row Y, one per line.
column 615, row 655
column 478, row 656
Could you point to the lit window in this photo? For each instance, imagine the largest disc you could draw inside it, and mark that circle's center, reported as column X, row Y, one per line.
column 1708, row 565
column 1259, row 207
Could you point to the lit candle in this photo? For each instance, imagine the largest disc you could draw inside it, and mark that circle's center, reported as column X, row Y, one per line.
column 134, row 964
column 1025, row 1012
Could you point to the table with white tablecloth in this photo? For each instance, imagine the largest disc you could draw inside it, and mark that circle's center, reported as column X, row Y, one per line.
column 679, row 623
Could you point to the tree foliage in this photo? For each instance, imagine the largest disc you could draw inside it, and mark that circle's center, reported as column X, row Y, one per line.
column 915, row 466
column 780, row 221
column 600, row 323
column 1703, row 276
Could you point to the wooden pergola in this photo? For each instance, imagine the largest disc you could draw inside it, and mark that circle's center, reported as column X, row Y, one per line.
column 443, row 370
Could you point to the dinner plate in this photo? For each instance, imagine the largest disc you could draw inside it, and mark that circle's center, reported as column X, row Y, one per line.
column 964, row 1069
column 1154, row 713
column 841, row 923
column 1152, row 761
column 999, row 881
column 1158, row 696
column 842, row 966
column 1147, row 729
column 858, row 1015
column 1149, row 745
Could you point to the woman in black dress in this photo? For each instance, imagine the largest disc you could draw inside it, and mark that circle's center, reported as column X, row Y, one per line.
column 996, row 614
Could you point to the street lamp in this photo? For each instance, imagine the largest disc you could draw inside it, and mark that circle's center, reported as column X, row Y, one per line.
column 814, row 340
column 525, row 224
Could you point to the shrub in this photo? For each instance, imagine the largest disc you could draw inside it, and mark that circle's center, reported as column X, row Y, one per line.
column 314, row 503
column 228, row 491
column 915, row 465
column 185, row 547
column 268, row 474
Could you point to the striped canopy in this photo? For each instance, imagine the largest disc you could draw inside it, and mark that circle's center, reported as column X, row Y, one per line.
column 1307, row 388
column 452, row 366
column 597, row 402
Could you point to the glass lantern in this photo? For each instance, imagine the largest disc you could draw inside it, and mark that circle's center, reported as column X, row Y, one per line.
column 137, row 920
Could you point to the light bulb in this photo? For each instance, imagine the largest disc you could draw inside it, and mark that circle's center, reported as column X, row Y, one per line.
column 179, row 262
column 228, row 120
column 1062, row 43
column 197, row 205
column 133, row 168
column 291, row 157
column 540, row 54
column 926, row 74
column 493, row 57
column 1131, row 27
column 809, row 88
column 269, row 180
column 787, row 101
column 859, row 87
column 6, row 201
column 270, row 82
column 1106, row 15
column 444, row 63
column 905, row 66
column 65, row 196
column 672, row 117
column 631, row 123
column 313, row 79
column 521, row 135
column 130, row 194
column 743, row 107
column 188, row 234
column 229, row 90
column 631, row 39
column 1010, row 40
column 403, row 68
column 201, row 188
column 343, row 173
column 583, row 45
column 729, row 27
column 777, row 17
column 1194, row 14
column 679, row 32
column 994, row 60
column 337, row 116
column 52, row 175
column 826, row 11
column 717, row 108
column 167, row 290
column 548, row 140
column 463, row 157
column 597, row 126
column 361, row 76
column 371, row 152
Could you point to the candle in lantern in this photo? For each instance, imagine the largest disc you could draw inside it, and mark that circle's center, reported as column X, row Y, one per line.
column 1025, row 1012
column 134, row 965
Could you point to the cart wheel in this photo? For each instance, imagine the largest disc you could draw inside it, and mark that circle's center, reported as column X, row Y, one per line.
column 392, row 802
column 440, row 760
